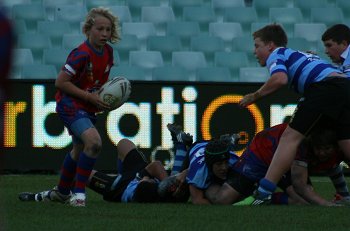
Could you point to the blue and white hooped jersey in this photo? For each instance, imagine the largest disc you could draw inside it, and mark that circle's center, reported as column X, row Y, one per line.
column 198, row 174
column 301, row 68
column 345, row 67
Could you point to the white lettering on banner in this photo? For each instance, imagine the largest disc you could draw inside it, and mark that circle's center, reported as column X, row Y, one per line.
column 189, row 94
column 40, row 111
column 143, row 114
column 279, row 113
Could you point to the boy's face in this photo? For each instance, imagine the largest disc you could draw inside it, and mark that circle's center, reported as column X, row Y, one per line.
column 262, row 51
column 220, row 169
column 100, row 32
column 334, row 50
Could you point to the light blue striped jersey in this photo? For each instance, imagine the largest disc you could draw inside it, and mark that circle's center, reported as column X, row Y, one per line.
column 301, row 68
column 345, row 67
column 198, row 174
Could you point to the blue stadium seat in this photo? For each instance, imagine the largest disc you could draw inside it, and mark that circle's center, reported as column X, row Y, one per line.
column 141, row 29
column 253, row 74
column 105, row 3
column 165, row 44
column 51, row 5
column 71, row 41
column 327, row 15
column 55, row 30
column 129, row 72
column 220, row 7
column 305, row 7
column 146, row 60
column 213, row 74
column 208, row 45
column 122, row 12
column 135, row 7
column 345, row 6
column 56, row 57
column 31, row 13
column 245, row 44
column 38, row 71
column 185, row 30
column 300, row 44
column 233, row 61
column 262, row 7
column 21, row 57
column 227, row 31
column 129, row 42
column 74, row 14
column 201, row 14
column 190, row 60
column 287, row 17
column 159, row 16
column 170, row 73
column 178, row 5
column 310, row 31
column 243, row 15
column 36, row 42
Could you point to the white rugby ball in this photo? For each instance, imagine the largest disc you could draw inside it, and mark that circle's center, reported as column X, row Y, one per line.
column 115, row 92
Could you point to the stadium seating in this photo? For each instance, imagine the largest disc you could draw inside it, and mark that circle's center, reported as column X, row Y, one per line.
column 38, row 71
column 310, row 31
column 129, row 42
column 159, row 16
column 243, row 15
column 21, row 57
column 20, row 26
column 220, row 7
column 122, row 12
column 345, row 6
column 326, row 15
column 208, row 45
column 72, row 14
column 262, row 7
column 36, row 42
column 131, row 73
column 135, row 7
column 165, row 44
column 178, row 6
column 300, row 44
column 31, row 13
column 55, row 30
column 141, row 29
column 305, row 6
column 71, row 41
column 231, row 60
column 170, row 73
column 227, row 31
column 286, row 17
column 146, row 60
column 51, row 5
column 56, row 57
column 201, row 14
column 190, row 60
column 253, row 74
column 105, row 3
column 245, row 44
column 213, row 74
column 185, row 30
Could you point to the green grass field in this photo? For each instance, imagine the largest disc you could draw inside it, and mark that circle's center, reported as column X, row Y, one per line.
column 101, row 215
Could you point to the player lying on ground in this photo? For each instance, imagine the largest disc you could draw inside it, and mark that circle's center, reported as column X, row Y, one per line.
column 257, row 157
column 136, row 181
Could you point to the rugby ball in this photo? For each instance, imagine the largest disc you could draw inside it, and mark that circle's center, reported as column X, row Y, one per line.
column 115, row 92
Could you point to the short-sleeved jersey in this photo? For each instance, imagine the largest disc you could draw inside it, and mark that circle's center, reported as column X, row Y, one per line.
column 89, row 70
column 301, row 68
column 198, row 173
column 305, row 157
column 345, row 67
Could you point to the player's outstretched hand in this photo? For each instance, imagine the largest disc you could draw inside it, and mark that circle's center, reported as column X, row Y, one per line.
column 94, row 99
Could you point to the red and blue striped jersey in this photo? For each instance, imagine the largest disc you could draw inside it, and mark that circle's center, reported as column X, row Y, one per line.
column 89, row 70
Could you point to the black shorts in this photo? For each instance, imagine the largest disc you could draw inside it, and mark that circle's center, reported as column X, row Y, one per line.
column 241, row 183
column 134, row 163
column 329, row 98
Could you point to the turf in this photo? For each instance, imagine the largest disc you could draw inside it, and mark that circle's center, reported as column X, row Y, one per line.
column 101, row 215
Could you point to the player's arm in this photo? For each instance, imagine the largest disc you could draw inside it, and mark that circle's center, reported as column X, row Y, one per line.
column 197, row 196
column 63, row 82
column 299, row 175
column 275, row 82
column 156, row 170
column 222, row 194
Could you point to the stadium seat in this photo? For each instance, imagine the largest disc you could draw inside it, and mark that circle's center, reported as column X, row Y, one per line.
column 122, row 12
column 51, row 5
column 232, row 60
column 227, row 31
column 213, row 74
column 71, row 41
column 129, row 72
column 146, row 60
column 327, row 15
column 208, row 45
column 253, row 74
column 245, row 44
column 201, row 14
column 190, row 60
column 129, row 42
column 170, row 73
column 310, row 31
column 55, row 30
column 220, row 7
column 31, row 13
column 262, row 7
column 159, row 16
column 72, row 14
column 165, row 44
column 243, row 15
column 10, row 3
column 36, row 42
column 105, row 3
column 21, row 57
column 256, row 26
column 345, row 6
column 185, row 30
column 141, row 29
column 20, row 26
column 305, row 6
column 135, row 7
column 286, row 17
column 56, row 57
column 300, row 44
column 38, row 71
column 178, row 5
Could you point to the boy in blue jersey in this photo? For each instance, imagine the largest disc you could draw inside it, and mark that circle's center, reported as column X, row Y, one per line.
column 325, row 93
column 336, row 41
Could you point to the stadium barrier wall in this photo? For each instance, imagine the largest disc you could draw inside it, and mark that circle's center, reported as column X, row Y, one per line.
column 34, row 138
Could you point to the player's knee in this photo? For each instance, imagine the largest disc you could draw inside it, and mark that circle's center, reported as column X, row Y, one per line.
column 94, row 147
